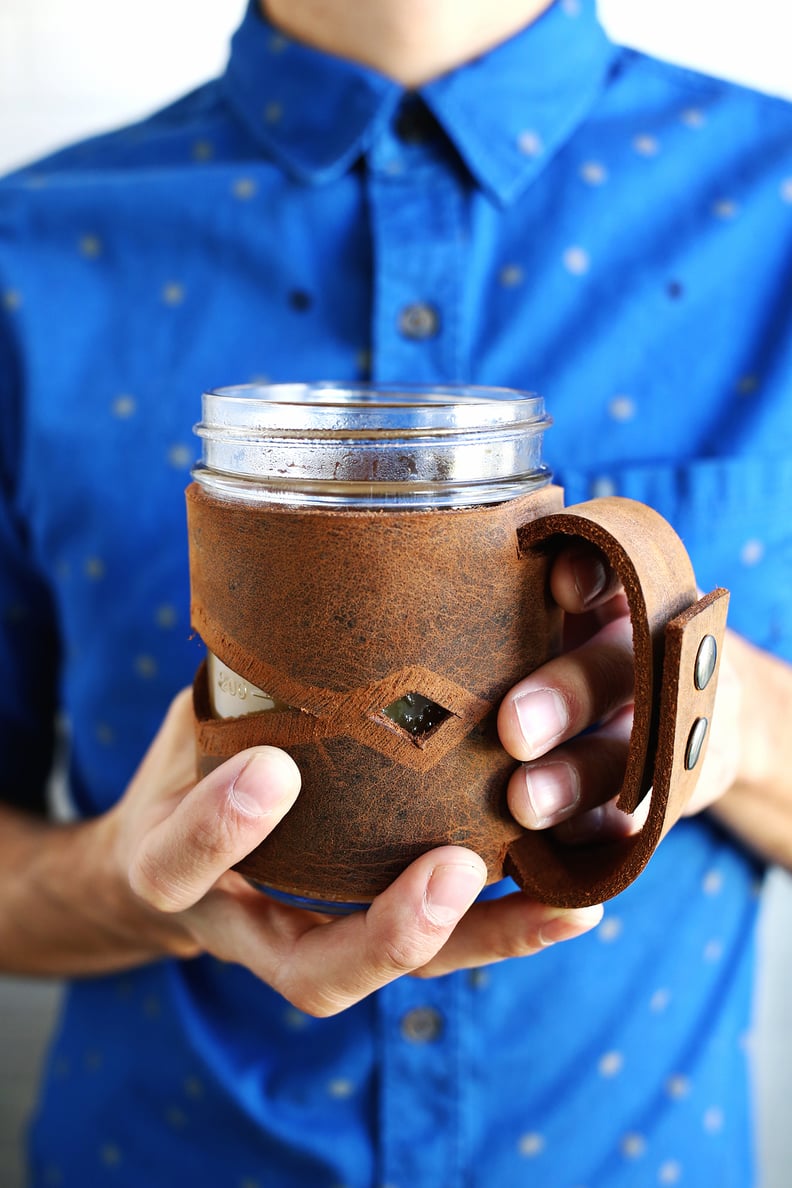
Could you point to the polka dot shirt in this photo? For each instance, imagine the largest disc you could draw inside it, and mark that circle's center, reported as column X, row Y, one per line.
column 561, row 215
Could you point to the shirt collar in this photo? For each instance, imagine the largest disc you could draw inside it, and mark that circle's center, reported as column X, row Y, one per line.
column 506, row 112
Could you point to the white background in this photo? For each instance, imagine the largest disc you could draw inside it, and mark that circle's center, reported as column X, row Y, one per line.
column 69, row 67
column 73, row 67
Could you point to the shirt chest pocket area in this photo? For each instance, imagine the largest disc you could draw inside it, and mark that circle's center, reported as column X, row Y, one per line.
column 734, row 515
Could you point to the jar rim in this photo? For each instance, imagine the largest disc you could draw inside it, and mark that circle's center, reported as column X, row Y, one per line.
column 331, row 407
column 348, row 443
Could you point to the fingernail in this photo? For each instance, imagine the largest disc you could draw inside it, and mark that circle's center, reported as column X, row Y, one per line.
column 553, row 788
column 570, row 924
column 542, row 718
column 590, row 575
column 450, row 891
column 269, row 780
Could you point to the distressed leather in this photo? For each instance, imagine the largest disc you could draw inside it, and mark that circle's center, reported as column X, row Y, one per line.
column 337, row 613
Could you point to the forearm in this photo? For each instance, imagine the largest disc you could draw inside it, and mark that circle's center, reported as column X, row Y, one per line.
column 63, row 907
column 757, row 808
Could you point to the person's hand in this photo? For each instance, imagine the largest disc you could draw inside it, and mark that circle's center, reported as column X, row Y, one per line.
column 570, row 720
column 168, row 847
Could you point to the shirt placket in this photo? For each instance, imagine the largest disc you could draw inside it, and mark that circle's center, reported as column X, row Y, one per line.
column 421, row 1099
column 416, row 201
column 416, row 195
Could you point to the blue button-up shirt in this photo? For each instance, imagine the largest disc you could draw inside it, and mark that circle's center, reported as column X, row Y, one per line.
column 559, row 215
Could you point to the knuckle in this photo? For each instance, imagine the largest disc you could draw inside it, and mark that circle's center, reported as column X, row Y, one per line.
column 317, row 1001
column 215, row 838
column 515, row 938
column 406, row 952
column 571, row 683
column 506, row 947
column 576, row 696
column 608, row 681
column 152, row 886
column 321, row 1008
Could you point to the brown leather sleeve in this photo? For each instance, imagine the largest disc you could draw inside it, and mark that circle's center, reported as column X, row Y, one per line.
column 338, row 613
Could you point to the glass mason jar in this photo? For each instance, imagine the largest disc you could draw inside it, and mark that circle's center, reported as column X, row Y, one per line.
column 365, row 446
column 369, row 573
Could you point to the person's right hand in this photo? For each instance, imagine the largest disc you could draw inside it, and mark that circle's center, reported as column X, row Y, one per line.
column 169, row 844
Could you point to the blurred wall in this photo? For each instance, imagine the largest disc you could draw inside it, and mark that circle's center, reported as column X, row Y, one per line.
column 69, row 67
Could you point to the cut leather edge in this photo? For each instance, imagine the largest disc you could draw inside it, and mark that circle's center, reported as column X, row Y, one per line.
column 581, row 875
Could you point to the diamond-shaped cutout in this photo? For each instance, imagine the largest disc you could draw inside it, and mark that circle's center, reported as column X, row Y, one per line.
column 416, row 714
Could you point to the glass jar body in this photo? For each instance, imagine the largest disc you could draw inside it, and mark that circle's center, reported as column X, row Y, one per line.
column 355, row 447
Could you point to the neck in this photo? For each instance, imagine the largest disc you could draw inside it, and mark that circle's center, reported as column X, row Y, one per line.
column 411, row 41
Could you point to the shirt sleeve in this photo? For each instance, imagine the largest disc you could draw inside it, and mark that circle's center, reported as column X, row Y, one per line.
column 29, row 651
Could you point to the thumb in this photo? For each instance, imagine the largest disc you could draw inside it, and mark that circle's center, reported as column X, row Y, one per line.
column 212, row 827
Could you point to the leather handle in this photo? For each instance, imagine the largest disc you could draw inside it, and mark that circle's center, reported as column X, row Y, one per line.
column 669, row 624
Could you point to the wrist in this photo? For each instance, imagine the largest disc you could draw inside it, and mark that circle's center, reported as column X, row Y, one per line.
column 67, row 909
column 757, row 804
column 762, row 684
column 128, row 931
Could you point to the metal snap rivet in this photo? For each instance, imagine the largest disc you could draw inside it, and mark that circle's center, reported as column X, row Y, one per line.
column 695, row 742
column 419, row 320
column 706, row 659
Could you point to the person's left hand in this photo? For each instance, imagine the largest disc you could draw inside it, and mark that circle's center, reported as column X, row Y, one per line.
column 569, row 780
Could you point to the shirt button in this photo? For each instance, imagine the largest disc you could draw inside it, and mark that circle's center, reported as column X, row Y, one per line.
column 422, row 1025
column 419, row 320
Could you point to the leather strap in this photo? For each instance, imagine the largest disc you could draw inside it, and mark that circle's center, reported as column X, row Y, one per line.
column 337, row 614
column 669, row 626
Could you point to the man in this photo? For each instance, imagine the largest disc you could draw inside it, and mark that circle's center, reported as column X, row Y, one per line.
column 481, row 193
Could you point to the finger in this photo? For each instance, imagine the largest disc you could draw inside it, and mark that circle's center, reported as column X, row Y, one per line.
column 213, row 826
column 569, row 694
column 605, row 823
column 579, row 775
column 581, row 578
column 168, row 767
column 322, row 967
column 514, row 926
